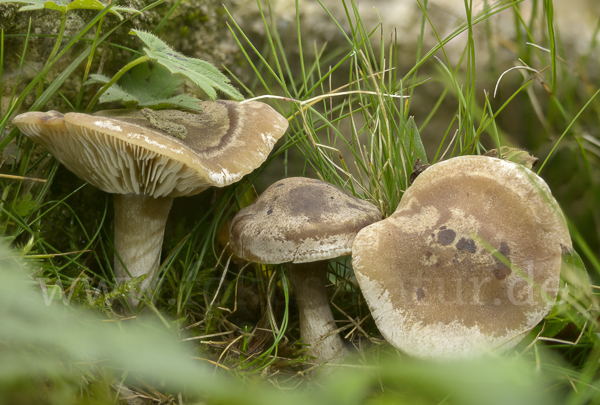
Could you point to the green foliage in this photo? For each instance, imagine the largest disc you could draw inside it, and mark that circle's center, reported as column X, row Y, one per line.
column 199, row 72
column 140, row 88
column 64, row 355
column 65, row 5
column 26, row 205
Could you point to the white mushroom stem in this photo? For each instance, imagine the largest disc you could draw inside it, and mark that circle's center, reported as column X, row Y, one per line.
column 139, row 231
column 308, row 281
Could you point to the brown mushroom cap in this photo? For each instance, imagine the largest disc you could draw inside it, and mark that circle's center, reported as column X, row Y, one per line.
column 146, row 158
column 300, row 220
column 444, row 275
column 118, row 151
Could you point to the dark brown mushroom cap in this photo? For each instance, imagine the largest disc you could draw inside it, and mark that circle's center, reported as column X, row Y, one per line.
column 119, row 151
column 299, row 220
column 434, row 273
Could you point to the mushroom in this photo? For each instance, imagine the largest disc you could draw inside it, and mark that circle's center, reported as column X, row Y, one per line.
column 146, row 158
column 469, row 262
column 304, row 222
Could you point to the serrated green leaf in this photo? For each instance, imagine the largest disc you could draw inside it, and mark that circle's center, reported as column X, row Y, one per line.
column 96, row 79
column 149, row 85
column 144, row 88
column 85, row 4
column 33, row 4
column 58, row 5
column 64, row 5
column 114, row 94
column 126, row 10
column 96, row 5
column 152, row 41
column 200, row 72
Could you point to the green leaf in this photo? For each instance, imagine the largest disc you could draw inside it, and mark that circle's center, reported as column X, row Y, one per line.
column 416, row 140
column 554, row 325
column 64, row 5
column 37, row 4
column 54, row 292
column 58, row 5
column 96, row 5
column 25, row 207
column 200, row 72
column 151, row 86
column 115, row 93
column 96, row 79
column 141, row 87
column 574, row 273
column 515, row 155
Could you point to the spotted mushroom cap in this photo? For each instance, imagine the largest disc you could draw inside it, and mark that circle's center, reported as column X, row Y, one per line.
column 299, row 220
column 446, row 274
column 120, row 151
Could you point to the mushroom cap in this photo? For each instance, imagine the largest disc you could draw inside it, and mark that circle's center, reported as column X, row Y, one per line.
column 433, row 273
column 119, row 151
column 299, row 220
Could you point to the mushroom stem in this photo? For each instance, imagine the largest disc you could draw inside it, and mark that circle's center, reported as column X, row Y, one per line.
column 308, row 281
column 139, row 231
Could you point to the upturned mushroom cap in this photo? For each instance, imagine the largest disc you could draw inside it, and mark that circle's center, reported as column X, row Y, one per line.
column 300, row 220
column 121, row 151
column 445, row 275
